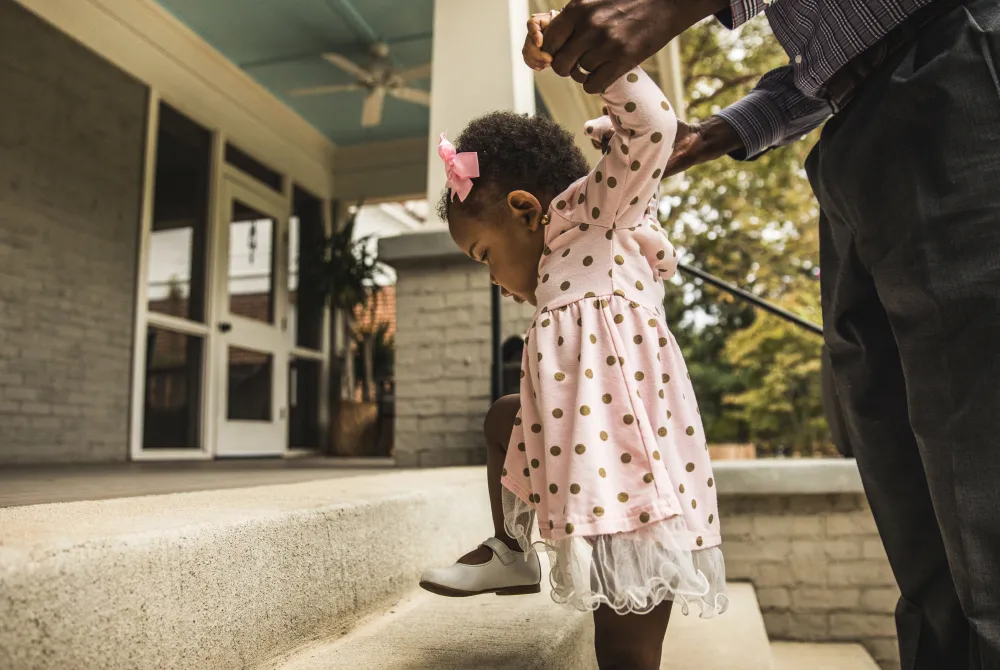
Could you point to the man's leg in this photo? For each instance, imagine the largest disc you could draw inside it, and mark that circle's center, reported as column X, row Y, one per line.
column 910, row 181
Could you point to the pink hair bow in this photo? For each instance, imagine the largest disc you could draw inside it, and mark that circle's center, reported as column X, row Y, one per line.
column 461, row 168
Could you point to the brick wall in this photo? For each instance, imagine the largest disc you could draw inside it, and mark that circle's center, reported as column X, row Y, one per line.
column 819, row 568
column 443, row 360
column 71, row 152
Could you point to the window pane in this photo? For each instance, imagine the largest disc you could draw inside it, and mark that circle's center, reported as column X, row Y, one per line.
column 173, row 390
column 253, row 167
column 303, row 399
column 305, row 238
column 251, row 264
column 251, row 376
column 175, row 278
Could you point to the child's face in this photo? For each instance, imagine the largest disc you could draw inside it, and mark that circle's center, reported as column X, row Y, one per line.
column 507, row 237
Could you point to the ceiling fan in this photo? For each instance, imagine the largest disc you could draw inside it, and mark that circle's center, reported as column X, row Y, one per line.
column 380, row 79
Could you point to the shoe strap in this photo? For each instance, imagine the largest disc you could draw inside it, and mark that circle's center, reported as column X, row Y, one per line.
column 501, row 550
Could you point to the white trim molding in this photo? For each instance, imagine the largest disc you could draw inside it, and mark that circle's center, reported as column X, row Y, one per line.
column 146, row 41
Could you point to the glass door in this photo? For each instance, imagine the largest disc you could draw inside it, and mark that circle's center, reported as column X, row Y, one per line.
column 251, row 298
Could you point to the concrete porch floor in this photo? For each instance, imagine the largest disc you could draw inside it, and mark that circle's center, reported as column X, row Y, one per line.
column 71, row 483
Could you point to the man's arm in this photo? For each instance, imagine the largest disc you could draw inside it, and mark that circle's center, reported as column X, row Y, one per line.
column 774, row 114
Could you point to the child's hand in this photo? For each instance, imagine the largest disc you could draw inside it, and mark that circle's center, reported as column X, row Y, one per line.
column 532, row 52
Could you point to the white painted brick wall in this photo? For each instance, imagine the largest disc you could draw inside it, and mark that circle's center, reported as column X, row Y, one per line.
column 819, row 568
column 443, row 360
column 72, row 129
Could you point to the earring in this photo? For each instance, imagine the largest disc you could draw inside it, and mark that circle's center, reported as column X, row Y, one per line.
column 545, row 220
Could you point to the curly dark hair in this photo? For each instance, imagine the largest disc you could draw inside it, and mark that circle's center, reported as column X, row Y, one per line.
column 517, row 152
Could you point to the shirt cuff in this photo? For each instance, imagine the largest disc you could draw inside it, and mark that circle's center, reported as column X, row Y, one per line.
column 759, row 122
column 739, row 12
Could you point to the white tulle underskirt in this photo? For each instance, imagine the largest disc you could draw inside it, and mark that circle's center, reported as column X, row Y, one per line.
column 629, row 572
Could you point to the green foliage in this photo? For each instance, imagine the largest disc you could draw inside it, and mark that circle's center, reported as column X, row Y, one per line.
column 754, row 224
column 343, row 269
column 383, row 351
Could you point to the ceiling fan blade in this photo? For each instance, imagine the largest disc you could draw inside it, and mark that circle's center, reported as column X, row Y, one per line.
column 371, row 113
column 415, row 73
column 414, row 95
column 323, row 90
column 347, row 65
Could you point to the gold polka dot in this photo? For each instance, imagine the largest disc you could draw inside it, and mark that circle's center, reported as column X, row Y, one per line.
column 619, row 260
column 612, row 182
column 635, row 200
column 611, row 360
column 637, row 339
column 596, row 212
column 569, row 529
column 711, row 518
column 699, row 541
column 689, row 467
column 560, row 341
column 635, row 166
column 557, row 413
column 562, row 203
column 598, row 511
column 656, row 137
column 520, row 446
column 535, row 463
column 638, row 285
column 593, row 338
column 619, row 319
column 644, row 517
column 539, row 356
column 665, row 378
column 598, row 176
column 583, row 196
column 564, row 286
column 604, row 436
column 580, row 449
column 652, row 323
column 629, row 107
column 546, row 251
column 517, row 419
column 694, row 504
column 628, row 419
column 590, row 129
column 608, row 235
column 620, row 293
column 585, row 411
column 535, row 428
column 669, row 414
column 589, row 373
column 553, row 488
column 639, row 376
column 626, row 458
column 656, row 455
column 522, row 374
column 660, row 254
column 579, row 322
column 504, row 472
column 690, row 430
column 632, row 77
column 584, row 227
column 711, row 482
column 656, row 173
column 545, row 278
column 602, row 472
column 681, row 488
column 661, row 394
column 565, row 253
column 527, row 472
column 623, row 497
column 555, row 451
column 625, row 149
column 546, row 323
column 560, row 376
column 606, row 398
column 597, row 304
column 621, row 361
column 664, row 105
column 663, row 341
column 662, row 432
column 551, row 525
column 648, row 478
column 588, row 261
column 574, row 488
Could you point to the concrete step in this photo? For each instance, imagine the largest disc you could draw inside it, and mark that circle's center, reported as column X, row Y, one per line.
column 222, row 579
column 801, row 655
column 484, row 632
column 737, row 640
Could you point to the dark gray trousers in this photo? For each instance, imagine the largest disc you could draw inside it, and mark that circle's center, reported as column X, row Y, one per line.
column 908, row 180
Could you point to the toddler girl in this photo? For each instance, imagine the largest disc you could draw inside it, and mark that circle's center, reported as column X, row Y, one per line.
column 607, row 448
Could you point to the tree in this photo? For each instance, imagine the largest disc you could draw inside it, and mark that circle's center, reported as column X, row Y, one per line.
column 752, row 223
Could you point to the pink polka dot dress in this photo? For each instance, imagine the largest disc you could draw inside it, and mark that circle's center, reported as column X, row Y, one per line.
column 608, row 451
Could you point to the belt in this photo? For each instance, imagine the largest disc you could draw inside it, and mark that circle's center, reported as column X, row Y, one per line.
column 842, row 85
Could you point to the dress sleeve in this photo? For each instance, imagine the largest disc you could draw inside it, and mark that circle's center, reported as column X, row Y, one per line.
column 620, row 187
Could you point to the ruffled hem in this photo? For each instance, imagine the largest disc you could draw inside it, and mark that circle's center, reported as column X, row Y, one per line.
column 630, row 572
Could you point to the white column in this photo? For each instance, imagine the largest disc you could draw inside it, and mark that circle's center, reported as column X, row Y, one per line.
column 477, row 68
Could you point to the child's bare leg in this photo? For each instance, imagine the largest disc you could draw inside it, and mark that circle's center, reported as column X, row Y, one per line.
column 630, row 641
column 497, row 428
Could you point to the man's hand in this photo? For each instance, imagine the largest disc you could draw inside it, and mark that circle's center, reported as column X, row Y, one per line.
column 610, row 37
column 698, row 143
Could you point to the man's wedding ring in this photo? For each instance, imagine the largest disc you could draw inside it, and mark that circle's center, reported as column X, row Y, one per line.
column 582, row 70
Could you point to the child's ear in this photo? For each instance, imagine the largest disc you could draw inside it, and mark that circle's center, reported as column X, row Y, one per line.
column 525, row 208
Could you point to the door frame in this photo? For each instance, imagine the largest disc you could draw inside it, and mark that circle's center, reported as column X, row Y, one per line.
column 269, row 338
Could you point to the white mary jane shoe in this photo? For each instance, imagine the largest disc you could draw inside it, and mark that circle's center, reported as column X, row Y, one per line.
column 508, row 573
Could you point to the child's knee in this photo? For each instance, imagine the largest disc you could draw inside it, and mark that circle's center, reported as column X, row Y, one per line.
column 500, row 419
